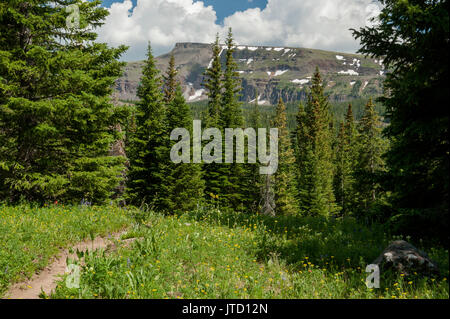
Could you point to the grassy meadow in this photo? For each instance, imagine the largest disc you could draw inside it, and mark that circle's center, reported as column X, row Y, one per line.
column 30, row 236
column 210, row 254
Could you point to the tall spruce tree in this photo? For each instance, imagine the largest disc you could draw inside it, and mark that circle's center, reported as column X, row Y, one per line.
column 371, row 147
column 234, row 174
column 314, row 153
column 232, row 113
column 185, row 185
column 149, row 144
column 412, row 38
column 253, row 180
column 56, row 117
column 284, row 178
column 345, row 156
column 170, row 81
column 213, row 172
column 213, row 85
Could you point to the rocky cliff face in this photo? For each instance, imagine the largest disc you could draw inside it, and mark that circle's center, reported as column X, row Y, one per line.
column 272, row 72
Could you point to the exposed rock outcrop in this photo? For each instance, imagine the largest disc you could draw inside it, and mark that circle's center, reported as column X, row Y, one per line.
column 405, row 258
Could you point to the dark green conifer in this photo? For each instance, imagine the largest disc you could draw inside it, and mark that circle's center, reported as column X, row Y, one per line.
column 170, row 81
column 314, row 153
column 371, row 147
column 149, row 145
column 284, row 178
column 56, row 117
column 345, row 157
column 185, row 186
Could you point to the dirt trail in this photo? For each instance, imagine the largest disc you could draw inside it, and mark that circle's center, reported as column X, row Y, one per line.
column 46, row 279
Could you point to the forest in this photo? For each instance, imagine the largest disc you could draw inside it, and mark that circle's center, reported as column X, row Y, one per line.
column 351, row 178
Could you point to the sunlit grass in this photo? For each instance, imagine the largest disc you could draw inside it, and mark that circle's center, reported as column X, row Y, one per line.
column 216, row 255
column 30, row 236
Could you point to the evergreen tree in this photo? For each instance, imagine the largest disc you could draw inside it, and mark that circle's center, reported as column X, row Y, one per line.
column 184, row 180
column 234, row 175
column 284, row 177
column 345, row 163
column 232, row 113
column 412, row 38
column 170, row 81
column 371, row 147
column 314, row 153
column 254, row 180
column 148, row 150
column 56, row 117
column 213, row 172
column 213, row 85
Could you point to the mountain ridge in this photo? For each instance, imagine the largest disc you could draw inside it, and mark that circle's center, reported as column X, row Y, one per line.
column 272, row 71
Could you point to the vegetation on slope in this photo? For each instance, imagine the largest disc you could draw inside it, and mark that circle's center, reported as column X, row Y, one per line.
column 211, row 253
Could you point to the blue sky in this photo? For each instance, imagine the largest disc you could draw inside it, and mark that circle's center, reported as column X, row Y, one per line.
column 223, row 8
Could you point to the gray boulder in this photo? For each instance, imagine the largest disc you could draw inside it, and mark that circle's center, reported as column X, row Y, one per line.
column 407, row 259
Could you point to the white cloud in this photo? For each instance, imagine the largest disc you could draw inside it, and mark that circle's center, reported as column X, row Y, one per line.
column 163, row 22
column 319, row 24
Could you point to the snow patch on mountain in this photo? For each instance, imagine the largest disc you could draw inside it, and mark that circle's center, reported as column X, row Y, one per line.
column 302, row 81
column 356, row 62
column 210, row 62
column 260, row 102
column 365, row 84
column 349, row 72
column 197, row 94
column 280, row 72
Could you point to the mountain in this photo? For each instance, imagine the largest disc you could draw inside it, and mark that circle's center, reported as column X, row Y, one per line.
column 273, row 71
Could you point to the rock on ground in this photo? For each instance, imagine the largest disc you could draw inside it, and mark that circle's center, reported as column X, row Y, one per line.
column 407, row 259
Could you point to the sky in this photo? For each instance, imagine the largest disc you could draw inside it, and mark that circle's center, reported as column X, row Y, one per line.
column 317, row 24
column 223, row 8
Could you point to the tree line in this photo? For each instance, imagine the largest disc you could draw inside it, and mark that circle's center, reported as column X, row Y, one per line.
column 321, row 170
column 57, row 125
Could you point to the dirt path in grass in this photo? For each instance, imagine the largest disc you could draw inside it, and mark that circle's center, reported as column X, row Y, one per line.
column 46, row 279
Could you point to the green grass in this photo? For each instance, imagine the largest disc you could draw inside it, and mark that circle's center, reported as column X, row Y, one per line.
column 212, row 254
column 30, row 236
